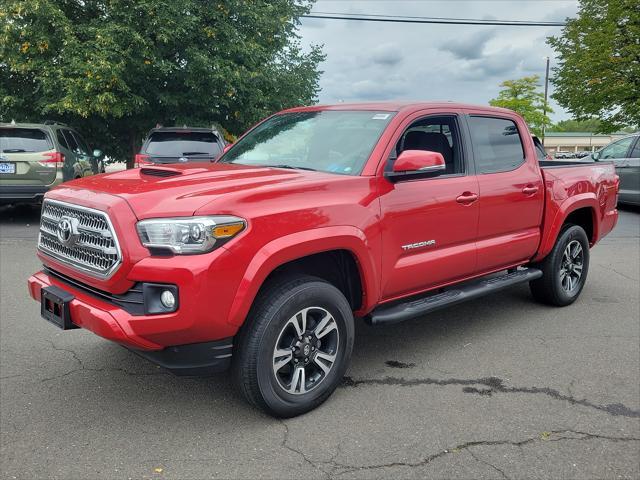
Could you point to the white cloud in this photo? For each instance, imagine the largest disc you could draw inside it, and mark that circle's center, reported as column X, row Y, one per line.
column 384, row 61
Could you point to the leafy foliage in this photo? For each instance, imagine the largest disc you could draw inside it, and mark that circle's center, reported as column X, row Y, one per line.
column 589, row 125
column 522, row 96
column 116, row 68
column 599, row 70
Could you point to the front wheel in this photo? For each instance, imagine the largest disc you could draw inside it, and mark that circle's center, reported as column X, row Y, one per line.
column 564, row 269
column 296, row 346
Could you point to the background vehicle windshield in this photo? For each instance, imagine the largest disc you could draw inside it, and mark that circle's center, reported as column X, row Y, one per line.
column 19, row 140
column 329, row 141
column 182, row 144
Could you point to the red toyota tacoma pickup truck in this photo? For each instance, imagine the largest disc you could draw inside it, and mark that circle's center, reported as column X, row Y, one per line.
column 316, row 216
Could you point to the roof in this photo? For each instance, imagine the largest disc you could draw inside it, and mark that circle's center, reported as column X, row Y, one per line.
column 583, row 134
column 29, row 125
column 396, row 106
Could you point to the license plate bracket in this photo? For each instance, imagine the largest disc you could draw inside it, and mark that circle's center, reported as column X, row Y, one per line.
column 54, row 307
column 8, row 168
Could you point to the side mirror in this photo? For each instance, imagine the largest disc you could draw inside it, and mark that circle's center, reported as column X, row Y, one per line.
column 411, row 163
column 595, row 155
column 227, row 147
column 97, row 153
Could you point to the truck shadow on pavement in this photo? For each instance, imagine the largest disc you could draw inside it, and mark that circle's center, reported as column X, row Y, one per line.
column 421, row 341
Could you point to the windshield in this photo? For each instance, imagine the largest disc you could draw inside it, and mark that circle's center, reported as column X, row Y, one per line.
column 183, row 144
column 19, row 140
column 329, row 141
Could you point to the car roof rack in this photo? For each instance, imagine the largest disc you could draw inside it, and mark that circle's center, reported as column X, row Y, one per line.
column 55, row 122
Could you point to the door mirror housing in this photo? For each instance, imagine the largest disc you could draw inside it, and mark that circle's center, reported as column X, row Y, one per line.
column 97, row 153
column 596, row 155
column 415, row 163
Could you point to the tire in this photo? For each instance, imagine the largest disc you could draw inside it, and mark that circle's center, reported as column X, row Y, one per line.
column 270, row 353
column 559, row 284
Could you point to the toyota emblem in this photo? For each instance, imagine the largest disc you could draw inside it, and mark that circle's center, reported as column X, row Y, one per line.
column 67, row 231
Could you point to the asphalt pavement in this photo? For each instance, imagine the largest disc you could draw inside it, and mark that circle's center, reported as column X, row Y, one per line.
column 501, row 387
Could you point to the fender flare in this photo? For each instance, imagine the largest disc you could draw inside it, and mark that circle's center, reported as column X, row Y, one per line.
column 552, row 228
column 302, row 244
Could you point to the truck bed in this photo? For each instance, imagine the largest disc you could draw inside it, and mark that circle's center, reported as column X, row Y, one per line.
column 577, row 185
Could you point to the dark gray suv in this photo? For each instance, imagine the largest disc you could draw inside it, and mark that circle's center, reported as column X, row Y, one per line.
column 179, row 145
column 625, row 154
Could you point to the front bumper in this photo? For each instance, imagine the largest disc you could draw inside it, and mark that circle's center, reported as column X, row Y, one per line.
column 110, row 321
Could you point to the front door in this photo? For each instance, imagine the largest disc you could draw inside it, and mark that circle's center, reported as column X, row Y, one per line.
column 430, row 223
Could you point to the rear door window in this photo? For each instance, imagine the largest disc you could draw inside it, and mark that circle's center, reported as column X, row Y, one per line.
column 497, row 146
column 183, row 144
column 71, row 141
column 635, row 153
column 24, row 140
column 61, row 140
column 82, row 145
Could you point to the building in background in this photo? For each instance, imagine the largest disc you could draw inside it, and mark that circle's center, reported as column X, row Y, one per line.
column 572, row 142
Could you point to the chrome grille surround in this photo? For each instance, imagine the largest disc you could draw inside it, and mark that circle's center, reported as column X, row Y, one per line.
column 96, row 250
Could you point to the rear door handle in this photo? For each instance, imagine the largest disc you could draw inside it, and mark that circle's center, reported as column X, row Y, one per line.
column 530, row 190
column 467, row 198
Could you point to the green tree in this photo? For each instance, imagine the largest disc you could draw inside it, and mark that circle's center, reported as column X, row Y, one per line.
column 116, row 68
column 522, row 96
column 599, row 63
column 588, row 125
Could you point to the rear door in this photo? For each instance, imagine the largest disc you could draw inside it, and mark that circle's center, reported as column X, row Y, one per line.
column 511, row 191
column 23, row 156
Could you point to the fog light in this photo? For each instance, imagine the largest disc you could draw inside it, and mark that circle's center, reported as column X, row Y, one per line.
column 168, row 299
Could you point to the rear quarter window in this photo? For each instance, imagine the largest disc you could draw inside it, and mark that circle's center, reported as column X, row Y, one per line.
column 24, row 140
column 497, row 146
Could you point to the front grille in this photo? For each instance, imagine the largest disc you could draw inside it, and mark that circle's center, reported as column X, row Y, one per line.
column 92, row 245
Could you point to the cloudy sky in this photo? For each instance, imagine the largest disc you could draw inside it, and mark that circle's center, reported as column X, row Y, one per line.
column 384, row 61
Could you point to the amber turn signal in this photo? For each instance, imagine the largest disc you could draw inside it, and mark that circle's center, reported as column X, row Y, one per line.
column 226, row 231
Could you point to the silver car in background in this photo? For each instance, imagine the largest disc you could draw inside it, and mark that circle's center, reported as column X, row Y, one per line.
column 625, row 154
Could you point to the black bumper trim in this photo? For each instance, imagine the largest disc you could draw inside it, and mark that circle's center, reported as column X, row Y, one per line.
column 132, row 301
column 194, row 359
column 22, row 192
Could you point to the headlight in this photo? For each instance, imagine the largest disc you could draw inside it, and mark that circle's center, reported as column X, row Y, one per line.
column 189, row 235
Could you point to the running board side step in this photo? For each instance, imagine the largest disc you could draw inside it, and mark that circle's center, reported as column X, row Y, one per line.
column 399, row 312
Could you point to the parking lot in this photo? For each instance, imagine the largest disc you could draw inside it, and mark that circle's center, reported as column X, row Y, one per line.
column 496, row 388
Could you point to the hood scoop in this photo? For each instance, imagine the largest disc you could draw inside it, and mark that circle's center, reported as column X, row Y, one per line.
column 160, row 172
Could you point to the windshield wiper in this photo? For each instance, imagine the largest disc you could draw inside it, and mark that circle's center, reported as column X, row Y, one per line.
column 195, row 153
column 15, row 150
column 291, row 167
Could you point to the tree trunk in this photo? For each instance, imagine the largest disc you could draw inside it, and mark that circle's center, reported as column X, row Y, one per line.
column 134, row 148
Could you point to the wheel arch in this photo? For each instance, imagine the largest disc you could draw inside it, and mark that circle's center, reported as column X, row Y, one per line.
column 316, row 252
column 580, row 210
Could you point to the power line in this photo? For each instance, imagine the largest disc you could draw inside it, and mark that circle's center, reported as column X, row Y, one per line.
column 437, row 20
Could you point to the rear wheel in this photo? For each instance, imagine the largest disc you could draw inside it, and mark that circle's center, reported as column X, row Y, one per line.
column 296, row 346
column 564, row 269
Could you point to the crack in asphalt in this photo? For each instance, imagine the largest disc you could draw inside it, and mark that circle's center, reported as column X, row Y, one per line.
column 466, row 446
column 494, row 385
column 304, row 457
column 83, row 367
column 480, row 460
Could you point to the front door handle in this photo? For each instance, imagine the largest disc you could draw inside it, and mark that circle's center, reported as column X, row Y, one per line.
column 530, row 190
column 467, row 198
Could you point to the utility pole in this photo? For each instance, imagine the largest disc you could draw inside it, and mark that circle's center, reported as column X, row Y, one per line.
column 546, row 92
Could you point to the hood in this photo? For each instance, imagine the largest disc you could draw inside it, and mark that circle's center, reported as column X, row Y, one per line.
column 181, row 190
